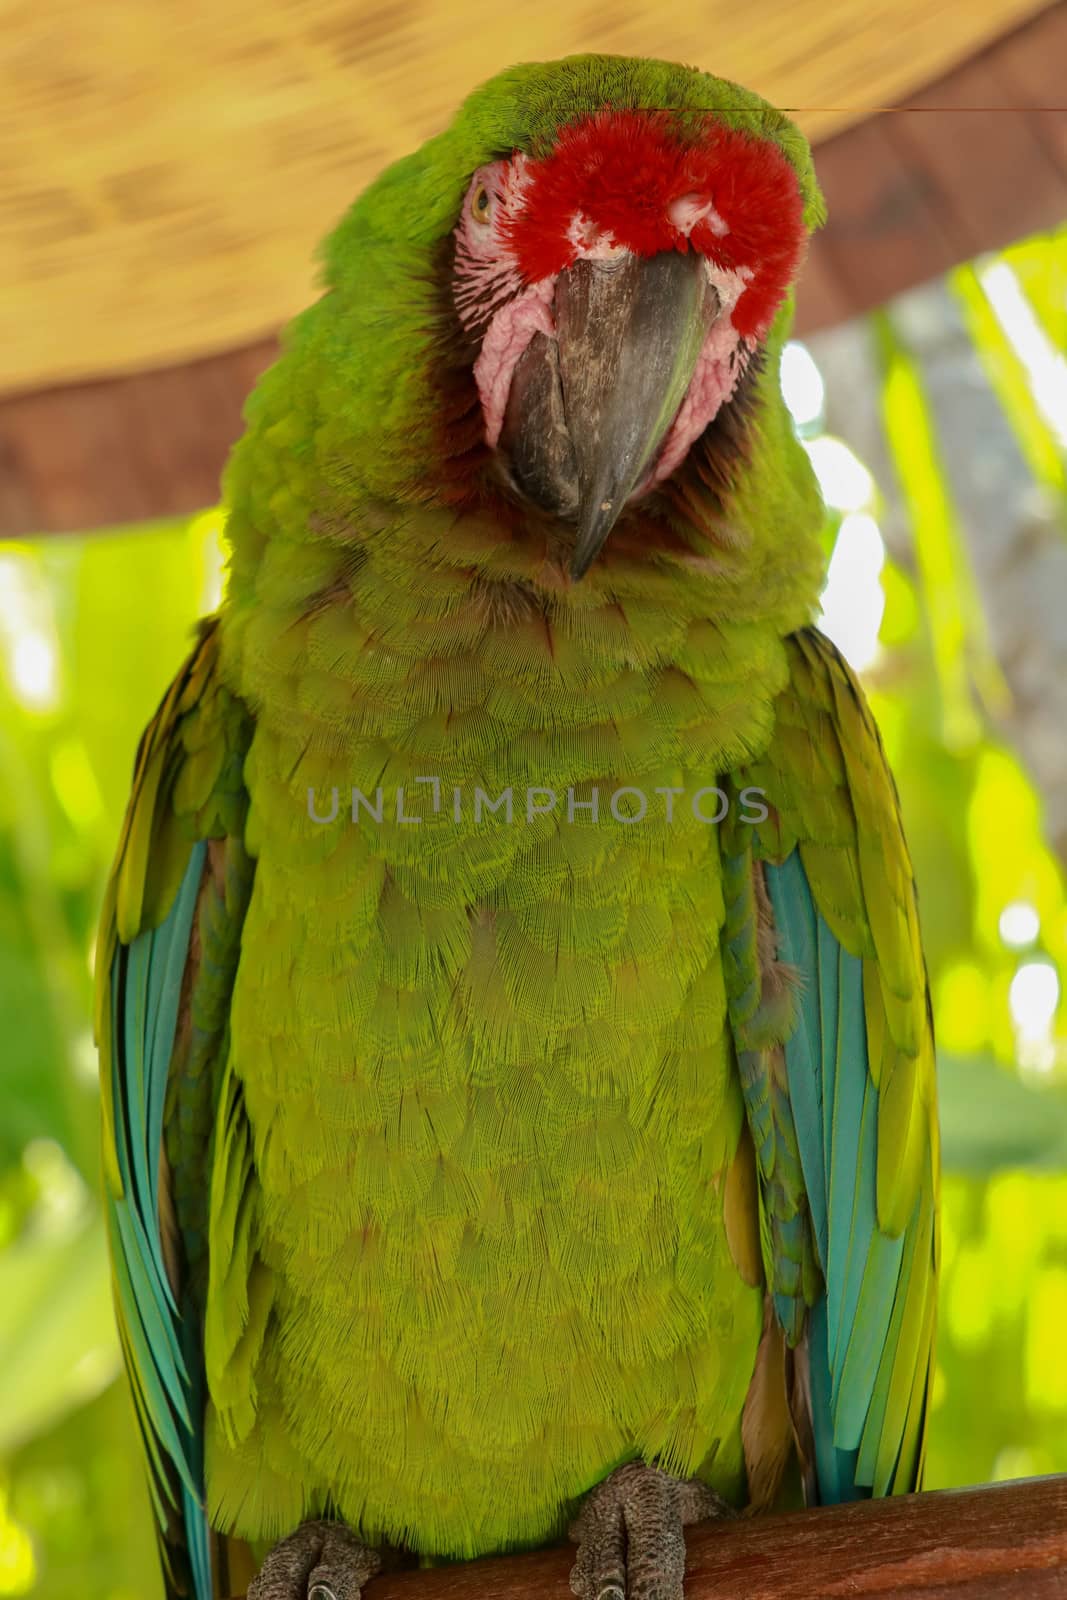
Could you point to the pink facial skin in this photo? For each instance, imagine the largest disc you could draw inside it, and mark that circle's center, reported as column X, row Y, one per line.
column 491, row 297
column 508, row 334
column 713, row 382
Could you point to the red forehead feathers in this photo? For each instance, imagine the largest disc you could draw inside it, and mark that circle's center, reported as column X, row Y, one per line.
column 622, row 169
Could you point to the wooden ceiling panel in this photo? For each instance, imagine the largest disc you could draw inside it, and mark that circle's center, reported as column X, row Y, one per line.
column 910, row 193
column 169, row 168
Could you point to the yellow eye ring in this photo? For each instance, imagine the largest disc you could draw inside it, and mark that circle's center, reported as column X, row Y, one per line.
column 480, row 204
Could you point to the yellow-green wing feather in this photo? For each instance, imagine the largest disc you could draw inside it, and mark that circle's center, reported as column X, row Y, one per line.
column 844, row 999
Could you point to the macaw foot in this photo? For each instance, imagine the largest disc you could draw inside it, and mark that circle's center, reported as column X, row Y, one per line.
column 629, row 1534
column 320, row 1561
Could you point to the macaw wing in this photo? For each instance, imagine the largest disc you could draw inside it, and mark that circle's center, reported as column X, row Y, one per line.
column 166, row 954
column 835, row 1049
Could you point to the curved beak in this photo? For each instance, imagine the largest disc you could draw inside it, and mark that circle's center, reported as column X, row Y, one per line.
column 588, row 410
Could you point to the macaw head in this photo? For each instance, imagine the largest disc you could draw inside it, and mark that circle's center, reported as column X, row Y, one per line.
column 616, row 290
column 559, row 318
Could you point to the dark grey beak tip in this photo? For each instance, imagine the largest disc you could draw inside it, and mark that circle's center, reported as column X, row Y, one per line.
column 588, row 410
column 594, row 525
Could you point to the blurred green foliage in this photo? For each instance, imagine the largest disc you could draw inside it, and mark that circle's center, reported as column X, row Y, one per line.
column 91, row 630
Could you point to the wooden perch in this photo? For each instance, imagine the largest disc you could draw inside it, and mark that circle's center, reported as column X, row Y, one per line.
column 1007, row 1541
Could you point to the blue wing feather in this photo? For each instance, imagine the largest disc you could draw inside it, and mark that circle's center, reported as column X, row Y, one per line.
column 797, row 927
column 835, row 1468
column 852, row 1141
column 146, row 983
column 825, row 975
column 835, row 1109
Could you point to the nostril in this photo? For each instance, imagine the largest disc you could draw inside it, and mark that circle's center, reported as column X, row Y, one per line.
column 689, row 209
column 583, row 231
column 593, row 240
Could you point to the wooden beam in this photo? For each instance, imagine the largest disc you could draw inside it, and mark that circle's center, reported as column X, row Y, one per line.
column 970, row 163
column 1030, row 62
column 120, row 450
column 1002, row 141
column 1007, row 1541
column 886, row 230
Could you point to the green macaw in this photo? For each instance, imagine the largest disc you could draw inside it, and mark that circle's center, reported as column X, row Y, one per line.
column 517, row 1066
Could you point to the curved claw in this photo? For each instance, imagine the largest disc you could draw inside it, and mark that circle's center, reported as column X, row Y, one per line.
column 629, row 1534
column 320, row 1561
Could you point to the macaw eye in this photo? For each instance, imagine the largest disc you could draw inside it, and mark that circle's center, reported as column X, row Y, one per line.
column 480, row 204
